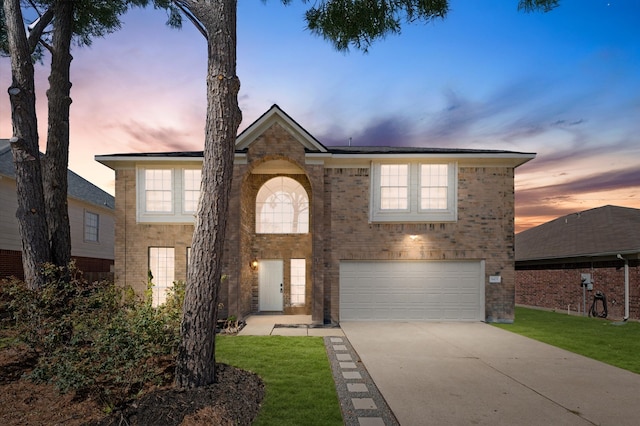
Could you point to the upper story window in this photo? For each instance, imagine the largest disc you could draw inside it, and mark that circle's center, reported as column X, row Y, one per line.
column 91, row 226
column 434, row 187
column 282, row 207
column 394, row 186
column 167, row 194
column 414, row 192
column 191, row 179
column 158, row 188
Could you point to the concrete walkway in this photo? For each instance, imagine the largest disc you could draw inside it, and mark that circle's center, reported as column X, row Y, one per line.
column 474, row 373
column 286, row 325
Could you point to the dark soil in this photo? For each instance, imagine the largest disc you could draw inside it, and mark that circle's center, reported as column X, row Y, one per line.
column 234, row 400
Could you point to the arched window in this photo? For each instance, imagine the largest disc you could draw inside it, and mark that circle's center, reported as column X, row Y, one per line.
column 282, row 207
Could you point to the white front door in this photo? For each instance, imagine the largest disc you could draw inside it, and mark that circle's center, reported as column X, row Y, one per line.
column 270, row 277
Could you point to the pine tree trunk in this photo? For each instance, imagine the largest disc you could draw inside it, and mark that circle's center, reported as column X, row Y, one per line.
column 31, row 214
column 56, row 161
column 196, row 355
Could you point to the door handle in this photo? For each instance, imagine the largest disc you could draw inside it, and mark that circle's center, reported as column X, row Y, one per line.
column 281, row 288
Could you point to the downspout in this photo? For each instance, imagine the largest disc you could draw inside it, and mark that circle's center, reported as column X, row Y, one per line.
column 626, row 287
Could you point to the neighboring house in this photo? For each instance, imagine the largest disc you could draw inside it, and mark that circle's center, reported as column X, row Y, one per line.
column 600, row 246
column 340, row 233
column 91, row 219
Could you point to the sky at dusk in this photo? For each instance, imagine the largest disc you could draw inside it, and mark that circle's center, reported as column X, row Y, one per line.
column 565, row 85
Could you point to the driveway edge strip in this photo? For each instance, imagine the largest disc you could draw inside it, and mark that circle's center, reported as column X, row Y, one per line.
column 361, row 402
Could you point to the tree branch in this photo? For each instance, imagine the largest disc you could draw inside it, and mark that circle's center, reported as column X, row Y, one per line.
column 36, row 31
column 184, row 8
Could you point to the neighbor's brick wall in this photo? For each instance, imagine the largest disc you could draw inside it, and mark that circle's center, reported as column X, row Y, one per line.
column 558, row 287
column 11, row 264
column 92, row 268
column 484, row 230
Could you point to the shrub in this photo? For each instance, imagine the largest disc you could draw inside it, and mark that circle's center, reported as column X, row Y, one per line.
column 95, row 338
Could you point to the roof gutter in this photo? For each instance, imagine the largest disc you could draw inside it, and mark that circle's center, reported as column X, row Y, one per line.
column 585, row 256
column 512, row 159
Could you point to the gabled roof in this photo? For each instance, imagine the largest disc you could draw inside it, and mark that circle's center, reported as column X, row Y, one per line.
column 276, row 115
column 321, row 154
column 78, row 187
column 603, row 231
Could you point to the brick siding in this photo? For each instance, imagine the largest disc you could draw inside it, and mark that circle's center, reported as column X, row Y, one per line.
column 484, row 231
column 558, row 287
column 339, row 230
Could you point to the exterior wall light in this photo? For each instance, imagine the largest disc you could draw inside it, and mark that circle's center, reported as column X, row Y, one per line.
column 254, row 265
column 413, row 237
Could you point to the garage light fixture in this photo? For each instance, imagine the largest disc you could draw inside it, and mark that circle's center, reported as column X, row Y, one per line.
column 254, row 265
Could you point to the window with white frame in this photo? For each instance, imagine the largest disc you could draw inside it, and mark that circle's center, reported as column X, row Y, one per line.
column 91, row 226
column 282, row 207
column 191, row 179
column 413, row 192
column 162, row 268
column 434, row 186
column 394, row 186
column 158, row 190
column 298, row 281
column 168, row 195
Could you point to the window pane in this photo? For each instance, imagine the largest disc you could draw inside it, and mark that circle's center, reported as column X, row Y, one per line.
column 282, row 207
column 434, row 186
column 394, row 186
column 161, row 265
column 191, row 180
column 91, row 226
column 298, row 281
column 158, row 190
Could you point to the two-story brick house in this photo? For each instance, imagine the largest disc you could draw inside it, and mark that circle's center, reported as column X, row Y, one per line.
column 340, row 233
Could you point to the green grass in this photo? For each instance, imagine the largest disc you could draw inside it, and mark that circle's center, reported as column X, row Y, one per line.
column 299, row 386
column 600, row 339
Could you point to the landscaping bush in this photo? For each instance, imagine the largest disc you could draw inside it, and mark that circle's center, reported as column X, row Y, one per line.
column 95, row 338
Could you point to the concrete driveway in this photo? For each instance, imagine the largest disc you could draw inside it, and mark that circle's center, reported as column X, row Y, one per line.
column 477, row 374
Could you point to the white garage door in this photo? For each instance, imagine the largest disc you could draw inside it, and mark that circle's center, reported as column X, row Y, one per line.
column 407, row 290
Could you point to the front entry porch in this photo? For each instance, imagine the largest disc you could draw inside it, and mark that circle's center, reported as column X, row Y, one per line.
column 286, row 325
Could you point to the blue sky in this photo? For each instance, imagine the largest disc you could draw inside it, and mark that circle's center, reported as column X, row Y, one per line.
column 565, row 84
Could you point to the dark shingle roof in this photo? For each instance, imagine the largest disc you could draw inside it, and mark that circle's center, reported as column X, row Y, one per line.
column 169, row 154
column 601, row 231
column 6, row 160
column 412, row 150
column 78, row 187
column 367, row 150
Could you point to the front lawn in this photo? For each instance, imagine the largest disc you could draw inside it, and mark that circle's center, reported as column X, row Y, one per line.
column 299, row 386
column 614, row 343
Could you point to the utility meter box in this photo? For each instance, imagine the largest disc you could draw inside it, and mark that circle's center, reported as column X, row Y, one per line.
column 585, row 281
